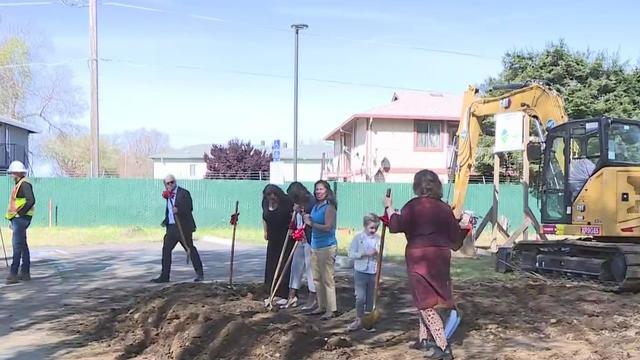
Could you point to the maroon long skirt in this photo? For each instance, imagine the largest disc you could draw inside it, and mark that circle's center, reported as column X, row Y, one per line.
column 429, row 277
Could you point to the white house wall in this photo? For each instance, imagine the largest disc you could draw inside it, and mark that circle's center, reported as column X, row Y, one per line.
column 395, row 140
column 281, row 172
column 180, row 169
column 359, row 152
column 336, row 153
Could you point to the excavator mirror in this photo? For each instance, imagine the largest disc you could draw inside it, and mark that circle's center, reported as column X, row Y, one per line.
column 534, row 151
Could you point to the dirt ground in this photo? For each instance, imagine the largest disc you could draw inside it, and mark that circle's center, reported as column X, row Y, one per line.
column 520, row 318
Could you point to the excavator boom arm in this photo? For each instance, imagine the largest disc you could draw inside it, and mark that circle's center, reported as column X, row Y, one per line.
column 538, row 101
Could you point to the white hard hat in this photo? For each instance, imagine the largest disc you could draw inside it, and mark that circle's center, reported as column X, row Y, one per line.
column 16, row 167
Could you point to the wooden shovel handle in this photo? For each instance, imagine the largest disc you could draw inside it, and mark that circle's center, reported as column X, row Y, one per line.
column 380, row 253
column 183, row 240
column 233, row 247
column 284, row 247
column 284, row 269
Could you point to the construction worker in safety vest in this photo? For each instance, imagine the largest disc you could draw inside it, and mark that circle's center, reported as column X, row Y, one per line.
column 19, row 213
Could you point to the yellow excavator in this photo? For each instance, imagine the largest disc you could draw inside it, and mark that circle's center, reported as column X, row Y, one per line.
column 590, row 184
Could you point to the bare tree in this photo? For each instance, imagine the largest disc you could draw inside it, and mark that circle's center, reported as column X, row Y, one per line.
column 53, row 99
column 14, row 76
column 137, row 147
column 32, row 92
column 35, row 93
column 68, row 149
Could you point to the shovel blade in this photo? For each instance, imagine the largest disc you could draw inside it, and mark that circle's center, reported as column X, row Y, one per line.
column 371, row 319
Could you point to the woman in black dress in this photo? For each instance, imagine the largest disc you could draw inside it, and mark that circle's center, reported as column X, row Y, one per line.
column 276, row 217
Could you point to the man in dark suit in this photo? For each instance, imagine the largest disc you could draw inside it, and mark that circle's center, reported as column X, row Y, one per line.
column 180, row 225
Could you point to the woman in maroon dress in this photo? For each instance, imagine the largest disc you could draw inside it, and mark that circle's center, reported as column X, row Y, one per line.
column 431, row 229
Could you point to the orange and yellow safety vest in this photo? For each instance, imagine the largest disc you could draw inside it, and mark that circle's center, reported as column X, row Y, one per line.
column 16, row 203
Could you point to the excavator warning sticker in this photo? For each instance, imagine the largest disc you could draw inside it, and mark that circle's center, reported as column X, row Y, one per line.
column 590, row 230
column 553, row 229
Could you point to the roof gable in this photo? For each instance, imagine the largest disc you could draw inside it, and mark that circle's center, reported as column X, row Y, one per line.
column 15, row 123
column 412, row 105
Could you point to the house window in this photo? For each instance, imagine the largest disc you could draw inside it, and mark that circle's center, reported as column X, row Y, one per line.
column 428, row 135
column 192, row 170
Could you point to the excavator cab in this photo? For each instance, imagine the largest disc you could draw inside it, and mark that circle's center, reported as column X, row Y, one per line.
column 577, row 151
column 573, row 152
column 590, row 203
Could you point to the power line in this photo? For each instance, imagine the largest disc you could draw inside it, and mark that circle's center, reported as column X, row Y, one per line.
column 74, row 3
column 207, row 18
column 212, row 70
column 27, row 3
column 192, row 16
column 340, row 38
column 131, row 6
column 44, row 64
column 71, row 3
column 359, row 84
column 156, row 10
column 220, row 20
column 406, row 46
column 260, row 74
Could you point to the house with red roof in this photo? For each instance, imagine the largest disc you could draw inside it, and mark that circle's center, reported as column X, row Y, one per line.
column 390, row 143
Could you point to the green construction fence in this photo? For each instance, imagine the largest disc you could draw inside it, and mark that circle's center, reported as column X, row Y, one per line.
column 83, row 202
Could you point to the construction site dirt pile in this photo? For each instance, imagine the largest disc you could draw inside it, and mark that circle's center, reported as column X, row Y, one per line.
column 520, row 318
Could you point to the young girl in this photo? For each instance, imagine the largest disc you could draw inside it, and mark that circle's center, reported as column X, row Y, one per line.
column 301, row 263
column 364, row 251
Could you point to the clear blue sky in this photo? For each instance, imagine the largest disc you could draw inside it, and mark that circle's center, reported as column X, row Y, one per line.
column 349, row 41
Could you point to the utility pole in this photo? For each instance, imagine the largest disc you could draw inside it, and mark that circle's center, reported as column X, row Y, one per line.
column 93, row 62
column 297, row 28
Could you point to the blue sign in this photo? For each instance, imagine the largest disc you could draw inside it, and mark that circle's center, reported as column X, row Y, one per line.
column 275, row 154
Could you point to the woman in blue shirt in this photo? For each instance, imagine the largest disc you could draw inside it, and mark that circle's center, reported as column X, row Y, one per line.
column 322, row 221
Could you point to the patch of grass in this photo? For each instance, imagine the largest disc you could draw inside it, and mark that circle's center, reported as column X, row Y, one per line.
column 481, row 268
column 249, row 236
column 70, row 236
column 100, row 235
column 463, row 269
column 394, row 243
column 73, row 236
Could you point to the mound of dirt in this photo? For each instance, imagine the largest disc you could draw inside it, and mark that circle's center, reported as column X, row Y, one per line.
column 517, row 318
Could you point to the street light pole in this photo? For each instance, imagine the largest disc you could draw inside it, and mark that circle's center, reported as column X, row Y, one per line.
column 297, row 28
column 93, row 61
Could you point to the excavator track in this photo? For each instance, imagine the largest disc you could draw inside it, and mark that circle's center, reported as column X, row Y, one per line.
column 614, row 265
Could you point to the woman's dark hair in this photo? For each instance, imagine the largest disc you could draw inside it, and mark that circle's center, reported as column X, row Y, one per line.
column 298, row 193
column 283, row 199
column 427, row 183
column 331, row 196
